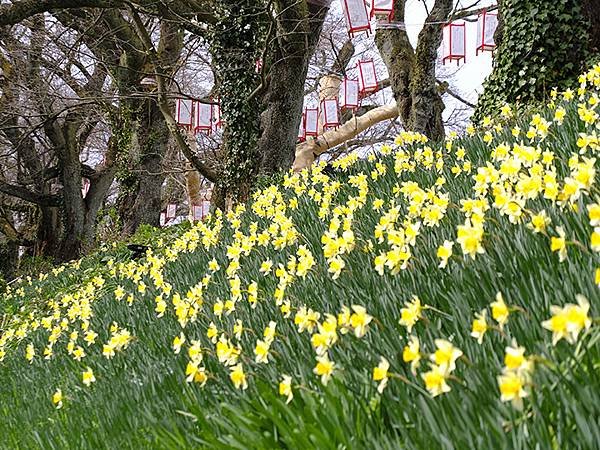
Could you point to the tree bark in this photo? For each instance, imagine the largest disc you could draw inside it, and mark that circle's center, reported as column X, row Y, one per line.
column 412, row 72
column 299, row 28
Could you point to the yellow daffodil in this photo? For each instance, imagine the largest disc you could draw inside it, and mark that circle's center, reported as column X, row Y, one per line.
column 359, row 320
column 446, row 355
column 411, row 313
column 500, row 311
column 324, row 368
column 444, row 252
column 511, row 386
column 412, row 354
column 380, row 373
column 57, row 399
column 238, row 377
column 435, row 380
column 479, row 326
column 285, row 388
column 88, row 377
column 567, row 322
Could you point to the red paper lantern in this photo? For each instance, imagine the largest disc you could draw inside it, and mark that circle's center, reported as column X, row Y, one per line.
column 311, row 122
column 330, row 116
column 454, row 43
column 357, row 19
column 184, row 115
column 349, row 94
column 204, row 118
column 486, row 27
column 367, row 77
column 301, row 129
column 383, row 8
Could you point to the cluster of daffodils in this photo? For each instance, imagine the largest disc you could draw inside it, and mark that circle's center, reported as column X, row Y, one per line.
column 242, row 298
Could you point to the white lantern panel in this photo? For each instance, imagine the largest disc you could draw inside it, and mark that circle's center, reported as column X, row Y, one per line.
column 349, row 94
column 367, row 76
column 486, row 27
column 454, row 41
column 312, row 121
column 301, row 130
column 203, row 116
column 329, row 110
column 355, row 12
column 171, row 211
column 382, row 7
column 199, row 212
column 184, row 112
column 163, row 219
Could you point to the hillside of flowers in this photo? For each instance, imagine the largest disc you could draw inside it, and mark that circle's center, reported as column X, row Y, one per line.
column 427, row 296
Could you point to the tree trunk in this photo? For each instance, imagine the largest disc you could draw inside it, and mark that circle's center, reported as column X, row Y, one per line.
column 591, row 10
column 235, row 41
column 301, row 29
column 412, row 72
column 142, row 203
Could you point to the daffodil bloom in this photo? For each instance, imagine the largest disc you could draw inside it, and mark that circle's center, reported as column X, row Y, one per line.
column 178, row 342
column 539, row 222
column 412, row 354
column 435, row 380
column 479, row 326
column 444, row 252
column 512, row 389
column 212, row 332
column 594, row 214
column 265, row 267
column 567, row 322
column 500, row 310
column 446, row 355
column 213, row 265
column 597, row 277
column 359, row 320
column 469, row 236
column 285, row 388
column 261, row 351
column 595, row 240
column 380, row 373
column 336, row 265
column 30, row 353
column 324, row 368
column 57, row 399
column 195, row 374
column 558, row 244
column 411, row 313
column 238, row 377
column 195, row 351
column 515, row 360
column 88, row 377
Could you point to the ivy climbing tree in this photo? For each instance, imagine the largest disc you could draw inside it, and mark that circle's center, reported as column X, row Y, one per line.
column 235, row 42
column 543, row 45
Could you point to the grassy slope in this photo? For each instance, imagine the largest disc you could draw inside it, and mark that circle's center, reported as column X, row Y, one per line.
column 141, row 398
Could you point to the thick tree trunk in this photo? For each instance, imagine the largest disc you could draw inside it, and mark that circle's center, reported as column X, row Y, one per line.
column 301, row 29
column 412, row 72
column 235, row 41
column 142, row 204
